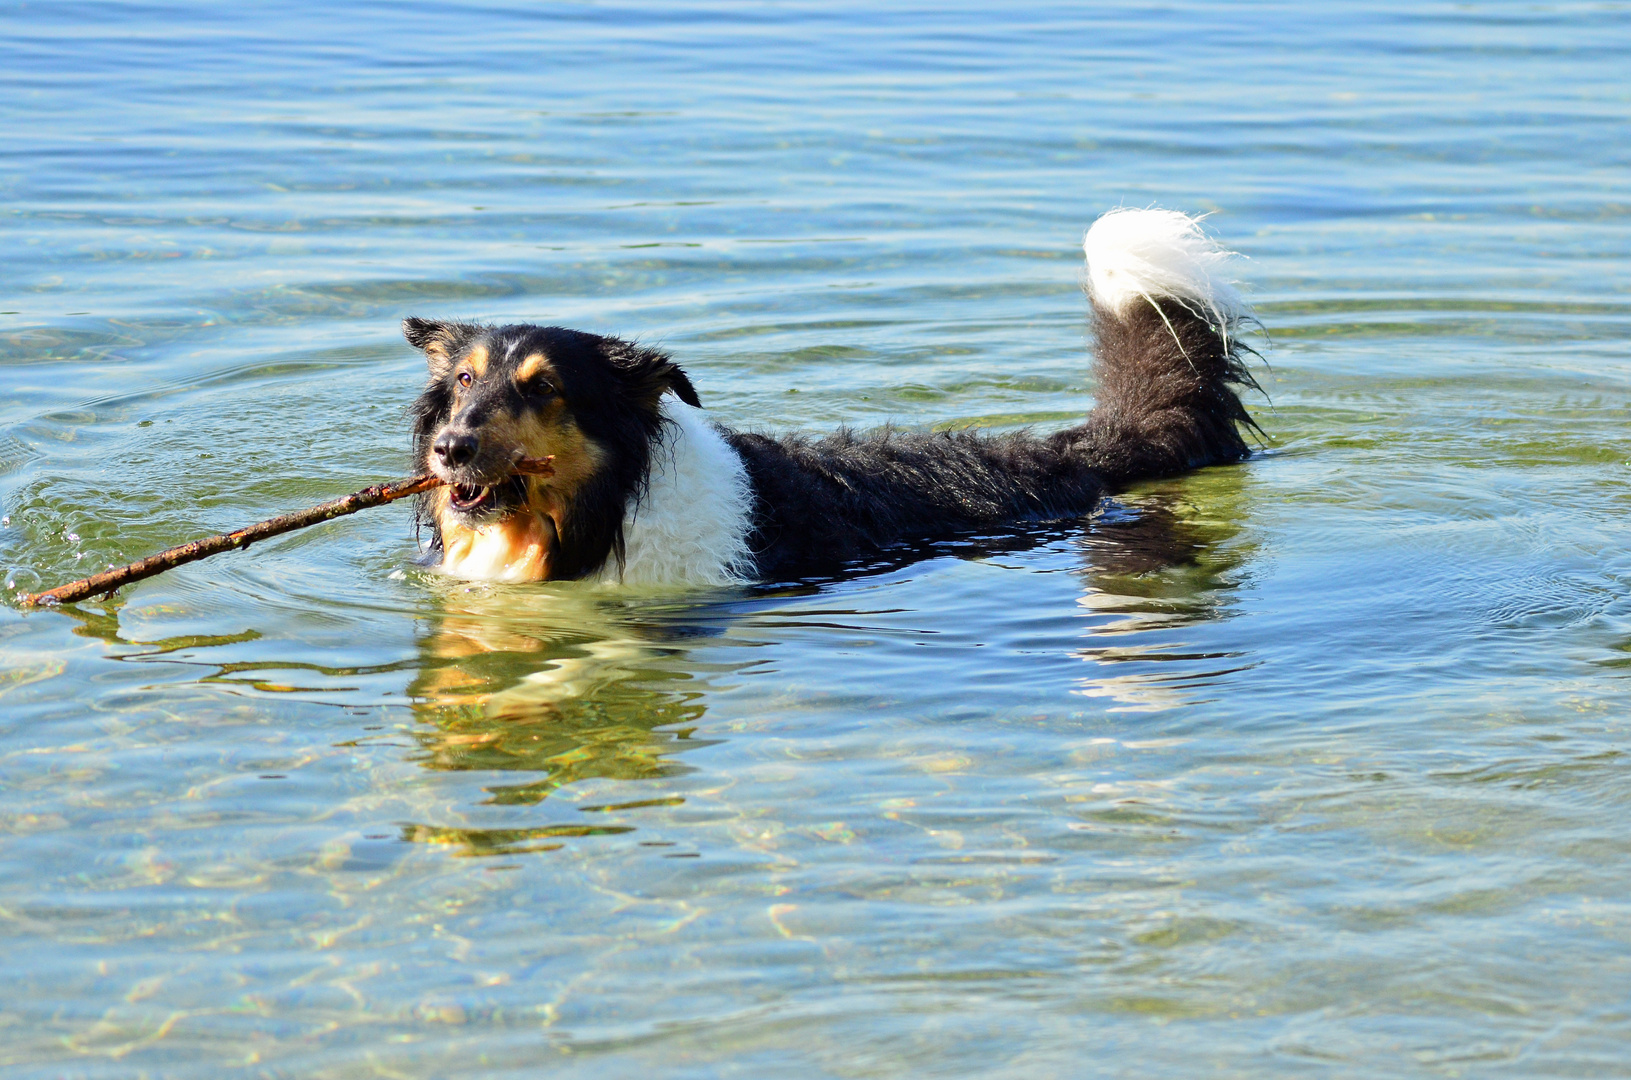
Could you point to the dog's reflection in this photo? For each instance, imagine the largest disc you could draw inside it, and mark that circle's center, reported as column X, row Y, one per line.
column 559, row 685
column 1152, row 572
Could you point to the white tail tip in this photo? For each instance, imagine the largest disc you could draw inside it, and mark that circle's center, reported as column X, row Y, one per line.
column 1160, row 254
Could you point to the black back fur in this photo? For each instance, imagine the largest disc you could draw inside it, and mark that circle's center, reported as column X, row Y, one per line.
column 1166, row 404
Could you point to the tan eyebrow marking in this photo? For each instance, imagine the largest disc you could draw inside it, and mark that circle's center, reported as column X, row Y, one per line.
column 477, row 359
column 530, row 367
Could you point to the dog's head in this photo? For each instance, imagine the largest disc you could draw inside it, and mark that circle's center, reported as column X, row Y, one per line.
column 501, row 393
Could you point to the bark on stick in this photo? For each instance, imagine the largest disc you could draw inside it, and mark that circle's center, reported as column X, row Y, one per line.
column 378, row 495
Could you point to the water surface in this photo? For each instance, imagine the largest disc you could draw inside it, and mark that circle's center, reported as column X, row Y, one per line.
column 1311, row 765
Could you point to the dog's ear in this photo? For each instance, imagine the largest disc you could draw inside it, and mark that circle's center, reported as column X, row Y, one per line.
column 680, row 383
column 439, row 341
column 649, row 375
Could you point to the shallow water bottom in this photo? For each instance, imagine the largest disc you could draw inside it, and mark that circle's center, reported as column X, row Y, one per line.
column 1311, row 765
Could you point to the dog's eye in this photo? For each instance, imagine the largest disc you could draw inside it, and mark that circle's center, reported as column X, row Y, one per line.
column 465, row 378
column 543, row 388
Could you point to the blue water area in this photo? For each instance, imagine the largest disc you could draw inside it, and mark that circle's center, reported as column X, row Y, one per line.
column 1313, row 765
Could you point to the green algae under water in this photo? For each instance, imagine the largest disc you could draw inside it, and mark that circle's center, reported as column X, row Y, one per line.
column 1312, row 765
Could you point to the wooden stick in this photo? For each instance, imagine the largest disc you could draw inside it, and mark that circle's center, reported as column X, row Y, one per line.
column 378, row 495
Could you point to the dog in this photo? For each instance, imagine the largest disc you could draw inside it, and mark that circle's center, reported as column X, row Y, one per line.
column 647, row 490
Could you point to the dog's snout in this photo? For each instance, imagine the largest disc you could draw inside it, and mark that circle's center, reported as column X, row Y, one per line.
column 456, row 448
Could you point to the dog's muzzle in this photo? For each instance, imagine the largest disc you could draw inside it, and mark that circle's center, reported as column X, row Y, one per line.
column 478, row 476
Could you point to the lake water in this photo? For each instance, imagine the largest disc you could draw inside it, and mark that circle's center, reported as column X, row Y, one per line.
column 1316, row 765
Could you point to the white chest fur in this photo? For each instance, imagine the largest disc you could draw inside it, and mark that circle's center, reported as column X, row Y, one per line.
column 691, row 527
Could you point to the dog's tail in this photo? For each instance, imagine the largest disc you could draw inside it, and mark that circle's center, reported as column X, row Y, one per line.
column 1169, row 359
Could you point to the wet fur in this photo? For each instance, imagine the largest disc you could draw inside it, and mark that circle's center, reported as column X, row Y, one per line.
column 828, row 500
column 1167, row 367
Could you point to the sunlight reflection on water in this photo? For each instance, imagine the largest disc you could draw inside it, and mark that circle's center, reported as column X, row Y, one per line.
column 1310, row 762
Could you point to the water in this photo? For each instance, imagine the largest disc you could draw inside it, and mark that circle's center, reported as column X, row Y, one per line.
column 1314, row 765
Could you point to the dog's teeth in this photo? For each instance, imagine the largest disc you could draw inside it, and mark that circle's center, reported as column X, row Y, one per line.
column 468, row 496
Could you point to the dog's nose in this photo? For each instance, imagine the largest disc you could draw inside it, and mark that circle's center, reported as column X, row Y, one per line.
column 455, row 447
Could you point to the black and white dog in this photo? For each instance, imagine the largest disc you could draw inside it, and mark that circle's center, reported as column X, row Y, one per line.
column 647, row 490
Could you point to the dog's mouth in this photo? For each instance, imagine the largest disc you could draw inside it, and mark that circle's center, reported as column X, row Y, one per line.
column 471, row 499
column 486, row 501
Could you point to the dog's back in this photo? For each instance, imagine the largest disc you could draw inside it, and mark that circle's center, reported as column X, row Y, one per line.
column 1166, row 368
